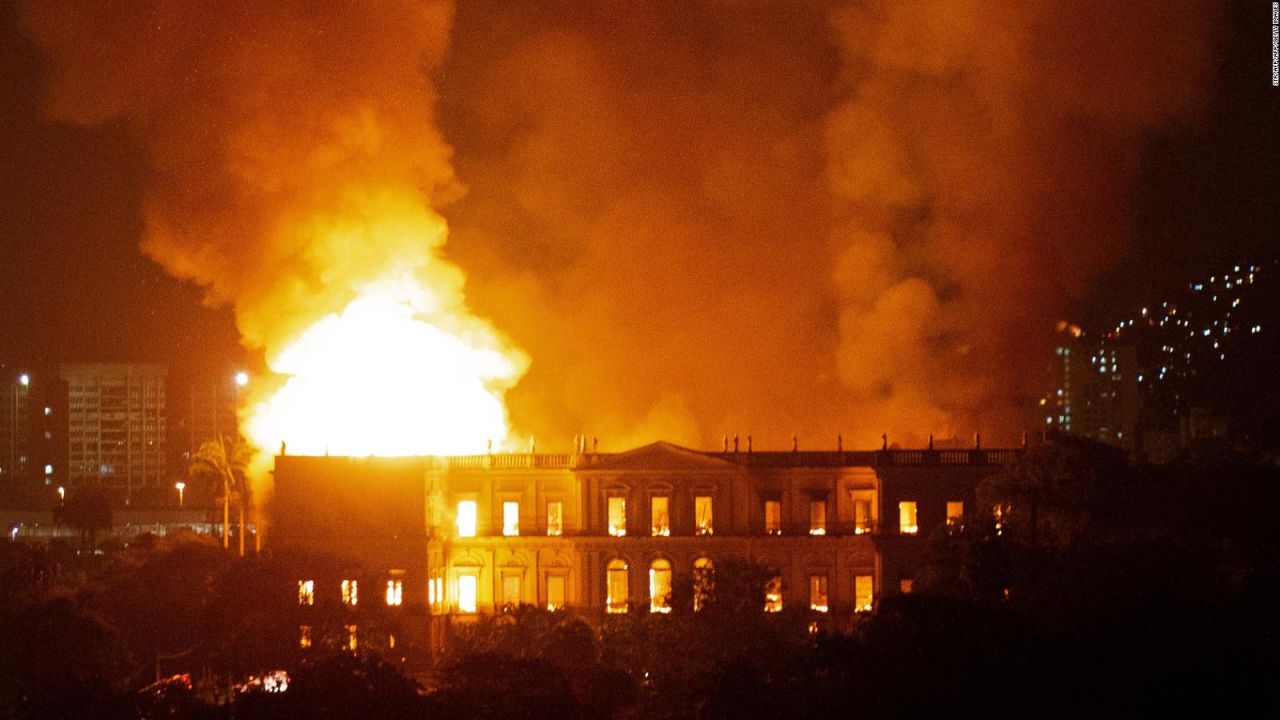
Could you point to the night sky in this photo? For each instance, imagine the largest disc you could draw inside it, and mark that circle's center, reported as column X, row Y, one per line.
column 75, row 286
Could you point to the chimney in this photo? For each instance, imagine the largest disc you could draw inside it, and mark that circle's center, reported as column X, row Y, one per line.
column 795, row 442
column 735, row 442
column 748, row 443
column 884, row 441
column 533, row 445
column 724, row 443
column 930, row 441
column 977, row 441
column 839, row 443
column 595, row 444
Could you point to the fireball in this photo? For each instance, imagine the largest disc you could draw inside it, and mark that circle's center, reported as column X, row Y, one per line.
column 393, row 374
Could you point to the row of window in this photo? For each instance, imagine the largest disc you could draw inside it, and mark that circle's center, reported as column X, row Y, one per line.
column 351, row 592
column 511, row 591
column 350, row 638
column 617, row 590
column 660, row 516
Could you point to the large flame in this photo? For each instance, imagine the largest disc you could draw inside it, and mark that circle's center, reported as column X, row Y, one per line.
column 389, row 375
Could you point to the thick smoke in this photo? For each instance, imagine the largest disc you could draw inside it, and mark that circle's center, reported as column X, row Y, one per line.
column 292, row 145
column 730, row 216
column 764, row 217
column 982, row 163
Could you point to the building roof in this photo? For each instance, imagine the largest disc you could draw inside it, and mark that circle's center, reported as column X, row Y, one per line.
column 663, row 456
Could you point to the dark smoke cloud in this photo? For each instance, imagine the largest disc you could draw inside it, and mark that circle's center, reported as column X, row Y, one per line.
column 768, row 217
column 291, row 143
column 695, row 217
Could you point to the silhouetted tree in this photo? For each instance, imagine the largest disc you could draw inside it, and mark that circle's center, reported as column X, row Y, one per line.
column 339, row 686
column 221, row 465
column 87, row 510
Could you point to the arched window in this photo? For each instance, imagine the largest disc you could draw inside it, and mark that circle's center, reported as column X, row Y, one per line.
column 660, row 586
column 616, row 586
column 704, row 582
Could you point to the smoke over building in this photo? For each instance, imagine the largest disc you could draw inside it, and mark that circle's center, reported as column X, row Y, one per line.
column 854, row 218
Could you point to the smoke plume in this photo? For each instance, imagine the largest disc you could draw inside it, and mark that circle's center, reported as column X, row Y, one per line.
column 292, row 145
column 752, row 216
column 732, row 216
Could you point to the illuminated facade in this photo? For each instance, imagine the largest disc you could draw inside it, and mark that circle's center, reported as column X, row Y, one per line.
column 463, row 537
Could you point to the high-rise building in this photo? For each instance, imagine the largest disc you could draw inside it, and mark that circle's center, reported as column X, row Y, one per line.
column 206, row 411
column 16, row 450
column 32, row 428
column 1093, row 390
column 116, row 425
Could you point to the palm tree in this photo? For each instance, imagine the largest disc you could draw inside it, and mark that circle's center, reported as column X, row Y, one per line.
column 224, row 461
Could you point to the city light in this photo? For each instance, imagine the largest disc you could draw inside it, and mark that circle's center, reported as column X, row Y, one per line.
column 181, row 487
column 242, row 378
column 24, row 379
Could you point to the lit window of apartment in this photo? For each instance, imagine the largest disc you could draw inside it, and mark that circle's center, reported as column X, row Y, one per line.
column 773, row 595
column 352, row 637
column 350, row 592
column 395, row 592
column 955, row 513
column 431, row 592
column 306, row 592
column 703, row 582
column 818, row 593
column 555, row 517
column 510, row 518
column 863, row 593
column 703, row 515
column 660, row 586
column 616, row 586
column 468, row 589
column 304, row 637
column 466, row 518
column 818, row 516
column 905, row 586
column 907, row 518
column 555, row 592
column 617, row 516
column 773, row 517
column 660, row 516
column 511, row 590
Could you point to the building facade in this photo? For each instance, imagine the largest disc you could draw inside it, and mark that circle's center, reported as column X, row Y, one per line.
column 1093, row 390
column 32, row 429
column 447, row 540
column 116, row 425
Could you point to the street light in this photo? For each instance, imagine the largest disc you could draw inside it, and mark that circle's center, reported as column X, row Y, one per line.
column 242, row 378
column 62, row 494
column 181, row 486
column 24, row 379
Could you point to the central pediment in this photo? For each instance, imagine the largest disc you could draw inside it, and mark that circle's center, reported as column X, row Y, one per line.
column 660, row 456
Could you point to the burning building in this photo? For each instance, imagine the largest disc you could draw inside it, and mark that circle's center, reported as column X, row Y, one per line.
column 445, row 540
